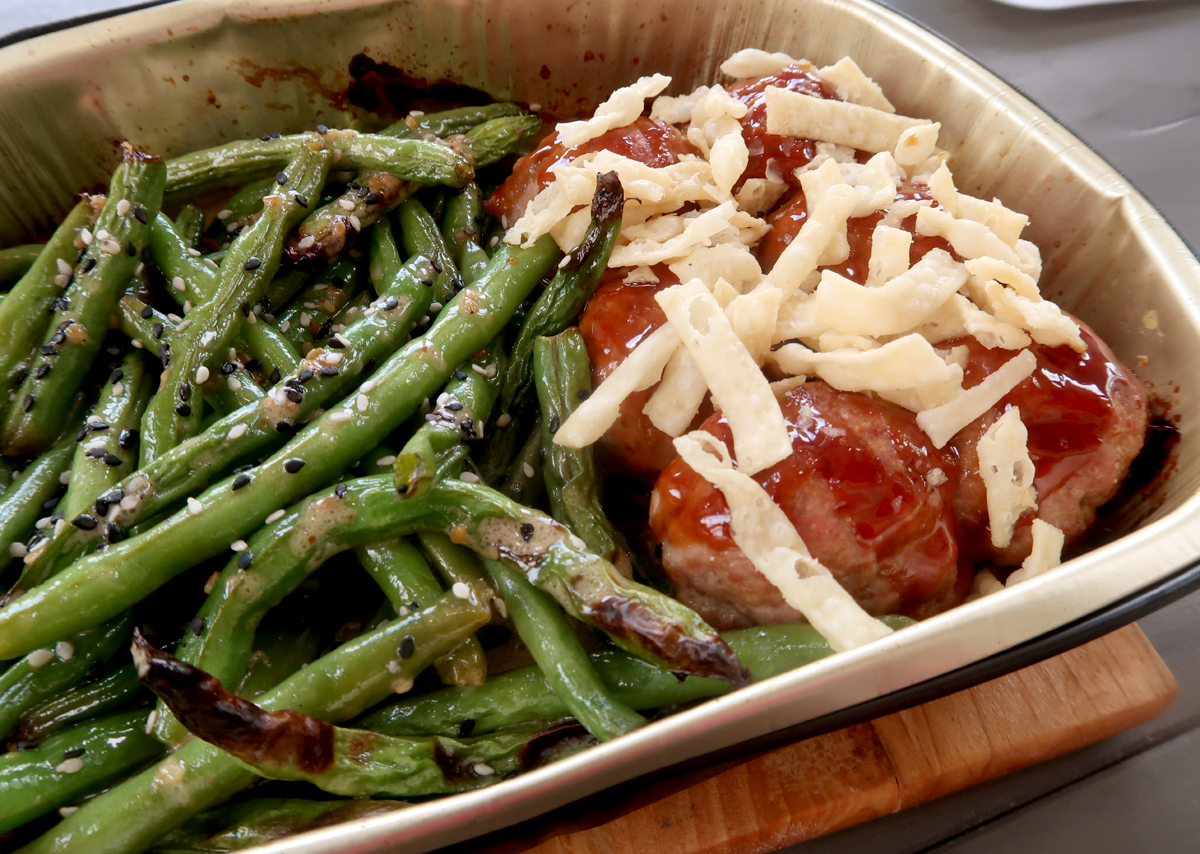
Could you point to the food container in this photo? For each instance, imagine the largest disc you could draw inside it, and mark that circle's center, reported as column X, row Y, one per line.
column 191, row 74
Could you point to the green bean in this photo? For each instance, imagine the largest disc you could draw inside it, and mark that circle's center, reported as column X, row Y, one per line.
column 245, row 205
column 525, row 481
column 16, row 260
column 174, row 413
column 498, row 138
column 569, row 291
column 332, row 227
column 522, row 696
column 34, row 782
column 239, row 162
column 230, row 392
column 458, row 416
column 22, row 503
column 458, row 567
column 45, row 673
column 128, row 570
column 561, row 657
column 77, row 326
column 252, row 430
column 189, row 277
column 383, row 256
column 234, row 827
column 190, row 225
column 267, row 344
column 449, row 122
column 82, row 702
column 143, row 324
column 23, row 315
column 460, row 231
column 420, row 236
column 405, row 578
column 310, row 316
column 351, row 311
column 354, row 677
column 282, row 288
column 277, row 655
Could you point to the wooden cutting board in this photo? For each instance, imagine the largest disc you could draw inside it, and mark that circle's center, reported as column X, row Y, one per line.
column 770, row 800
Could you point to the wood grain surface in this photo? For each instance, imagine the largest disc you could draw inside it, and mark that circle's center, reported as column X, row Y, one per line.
column 767, row 801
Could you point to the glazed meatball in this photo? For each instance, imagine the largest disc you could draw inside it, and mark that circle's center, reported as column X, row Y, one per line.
column 1086, row 415
column 647, row 141
column 868, row 493
column 618, row 317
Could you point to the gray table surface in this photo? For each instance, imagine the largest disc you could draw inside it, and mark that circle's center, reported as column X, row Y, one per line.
column 1126, row 79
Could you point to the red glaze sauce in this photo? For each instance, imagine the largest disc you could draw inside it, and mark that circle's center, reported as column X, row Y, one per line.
column 788, row 153
column 787, row 220
column 855, row 488
column 617, row 318
column 647, row 141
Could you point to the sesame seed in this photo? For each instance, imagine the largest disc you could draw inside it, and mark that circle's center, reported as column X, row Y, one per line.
column 307, row 241
column 195, row 253
column 407, row 647
column 39, row 657
column 244, row 560
column 85, row 236
column 577, row 543
column 183, row 410
column 253, row 263
column 197, row 626
column 469, row 477
column 340, row 415
column 201, row 374
column 110, row 247
column 123, row 207
column 137, row 343
column 361, row 402
column 42, row 524
column 151, row 720
column 238, row 545
column 128, row 438
column 461, row 590
column 501, row 606
column 241, row 480
column 66, row 812
column 65, row 477
column 555, row 423
column 526, row 531
column 194, row 506
column 64, row 267
column 237, row 431
column 27, row 403
column 140, row 213
column 483, row 769
column 368, row 387
column 300, row 200
column 305, row 319
column 234, row 384
column 275, row 517
column 187, row 306
column 69, row 766
column 355, row 222
column 284, row 325
column 130, row 502
column 346, row 204
column 64, row 650
column 293, row 465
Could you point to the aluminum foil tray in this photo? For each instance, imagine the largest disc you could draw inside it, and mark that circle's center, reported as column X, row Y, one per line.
column 189, row 74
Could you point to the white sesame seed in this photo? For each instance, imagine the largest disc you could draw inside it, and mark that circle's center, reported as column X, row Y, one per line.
column 333, row 358
column 535, row 107
column 110, row 247
column 479, row 370
column 284, row 325
column 504, row 420
column 195, row 253
column 118, row 389
column 210, row 262
column 339, row 415
column 224, row 214
column 435, row 307
column 258, row 308
column 338, row 327
column 304, row 318
column 346, row 204
column 123, row 207
column 389, row 460
column 66, row 812
column 461, row 590
column 403, row 612
column 174, row 318
column 202, row 374
column 566, row 259
column 187, row 306
column 528, row 469
column 494, row 242
column 64, row 267
column 341, row 340
column 252, row 318
column 469, row 477
column 237, row 432
column 393, row 666
column 178, row 283
column 577, row 543
column 184, row 324
column 425, row 319
column 65, row 650
column 85, row 236
column 130, row 502
column 69, row 766
column 65, row 477
column 211, row 583
column 102, row 234
column 238, row 545
column 41, row 525
column 400, row 686
column 483, row 769
column 231, row 228
column 275, row 517
column 361, row 402
column 232, row 351
column 501, row 606
column 368, row 386
column 151, row 720
column 307, row 242
column 17, row 549
column 137, row 342
column 234, row 384
column 355, row 222
column 443, row 399
column 194, row 506
column 40, row 657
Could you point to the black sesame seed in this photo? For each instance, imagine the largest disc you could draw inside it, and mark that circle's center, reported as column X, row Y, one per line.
column 241, row 469
column 402, row 488
column 300, row 200
column 101, row 507
column 84, row 522
column 164, row 354
column 457, row 283
column 293, row 465
column 336, row 344
column 466, row 728
column 127, row 439
column 197, row 625
column 437, row 268
column 275, row 375
column 305, row 375
column 407, row 647
column 362, row 192
column 74, row 753
column 327, row 372
column 467, row 425
column 26, row 745
column 391, row 304
column 584, row 394
column 42, row 370
column 679, row 674
column 526, row 531
column 372, row 198
column 157, row 330
column 427, row 282
column 147, row 313
column 252, row 263
column 140, row 213
column 240, row 481
column 281, row 178
column 113, row 533
column 454, row 406
column 114, row 496
column 284, row 427
column 112, row 460
column 554, row 424
column 340, row 490
column 50, row 505
column 294, row 395
column 185, row 391
column 95, row 453
column 88, row 264
column 27, row 403
column 254, row 365
column 460, row 375
column 47, row 350
column 97, row 426
column 116, row 376
column 322, row 129
column 266, row 137
column 228, row 368
column 246, row 303
column 183, row 410
column 130, row 249
column 244, row 560
column 57, row 338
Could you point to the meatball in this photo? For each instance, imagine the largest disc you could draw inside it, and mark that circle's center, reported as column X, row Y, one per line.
column 781, row 154
column 1086, row 415
column 618, row 317
column 868, row 493
column 787, row 220
column 647, row 141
